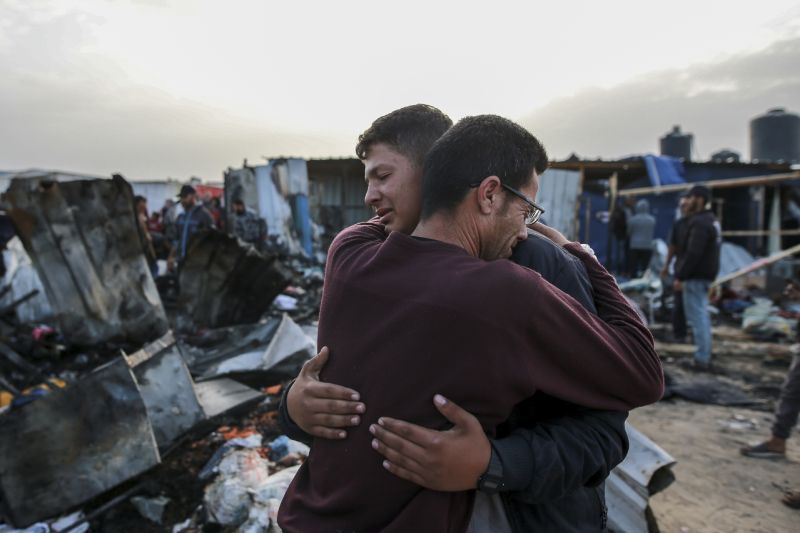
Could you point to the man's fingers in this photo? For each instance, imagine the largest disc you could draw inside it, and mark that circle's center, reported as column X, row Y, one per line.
column 327, row 433
column 398, row 459
column 321, row 391
column 333, row 407
column 405, row 474
column 454, row 413
column 335, row 421
column 399, row 443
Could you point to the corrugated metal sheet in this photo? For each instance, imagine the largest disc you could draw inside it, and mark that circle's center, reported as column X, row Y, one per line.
column 558, row 195
column 646, row 470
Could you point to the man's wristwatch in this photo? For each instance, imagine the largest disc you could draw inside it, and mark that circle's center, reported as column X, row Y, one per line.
column 491, row 481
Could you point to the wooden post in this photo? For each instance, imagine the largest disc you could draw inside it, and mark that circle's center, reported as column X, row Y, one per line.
column 612, row 205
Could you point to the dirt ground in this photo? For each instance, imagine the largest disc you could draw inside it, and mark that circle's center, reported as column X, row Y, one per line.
column 717, row 489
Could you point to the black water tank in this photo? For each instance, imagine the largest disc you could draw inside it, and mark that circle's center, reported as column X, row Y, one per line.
column 677, row 144
column 775, row 137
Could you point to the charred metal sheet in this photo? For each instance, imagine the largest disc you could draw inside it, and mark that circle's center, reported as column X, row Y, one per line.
column 271, row 351
column 646, row 470
column 74, row 444
column 167, row 389
column 217, row 345
column 218, row 396
column 224, row 281
column 84, row 241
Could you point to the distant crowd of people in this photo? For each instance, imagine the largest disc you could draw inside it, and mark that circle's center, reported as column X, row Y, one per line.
column 167, row 232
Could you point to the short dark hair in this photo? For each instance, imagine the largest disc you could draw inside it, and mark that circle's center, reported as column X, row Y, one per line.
column 410, row 130
column 138, row 199
column 475, row 148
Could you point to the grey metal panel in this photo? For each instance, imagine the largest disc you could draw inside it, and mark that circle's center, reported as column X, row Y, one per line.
column 224, row 281
column 220, row 395
column 167, row 389
column 74, row 444
column 645, row 471
column 85, row 243
column 558, row 195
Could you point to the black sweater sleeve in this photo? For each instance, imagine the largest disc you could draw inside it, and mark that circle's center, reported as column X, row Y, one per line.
column 286, row 423
column 577, row 448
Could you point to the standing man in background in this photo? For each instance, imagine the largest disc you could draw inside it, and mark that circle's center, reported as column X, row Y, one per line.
column 677, row 235
column 194, row 218
column 247, row 225
column 641, row 227
column 786, row 412
column 696, row 268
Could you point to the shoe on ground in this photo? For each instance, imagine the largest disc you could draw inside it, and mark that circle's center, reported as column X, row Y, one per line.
column 696, row 366
column 791, row 499
column 762, row 451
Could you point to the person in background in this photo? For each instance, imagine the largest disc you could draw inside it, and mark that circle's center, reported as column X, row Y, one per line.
column 641, row 227
column 696, row 267
column 140, row 207
column 677, row 235
column 194, row 218
column 168, row 212
column 619, row 229
column 247, row 225
column 786, row 413
column 154, row 223
column 217, row 213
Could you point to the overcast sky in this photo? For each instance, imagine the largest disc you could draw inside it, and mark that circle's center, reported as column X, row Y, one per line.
column 155, row 89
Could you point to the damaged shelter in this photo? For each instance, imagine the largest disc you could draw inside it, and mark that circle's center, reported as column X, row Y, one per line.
column 743, row 195
column 304, row 202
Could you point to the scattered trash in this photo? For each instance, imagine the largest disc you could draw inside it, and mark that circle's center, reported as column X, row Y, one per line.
column 283, row 446
column 284, row 302
column 151, row 508
column 737, row 423
column 71, row 523
column 228, row 499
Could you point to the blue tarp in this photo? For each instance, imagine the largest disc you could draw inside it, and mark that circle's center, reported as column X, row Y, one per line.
column 663, row 170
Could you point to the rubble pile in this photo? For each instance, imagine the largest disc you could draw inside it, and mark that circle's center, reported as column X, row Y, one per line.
column 120, row 413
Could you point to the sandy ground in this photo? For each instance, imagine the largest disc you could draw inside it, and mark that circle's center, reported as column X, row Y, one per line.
column 717, row 489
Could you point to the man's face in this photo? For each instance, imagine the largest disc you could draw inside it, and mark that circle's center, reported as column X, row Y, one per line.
column 394, row 188
column 238, row 208
column 683, row 205
column 187, row 201
column 508, row 224
column 695, row 204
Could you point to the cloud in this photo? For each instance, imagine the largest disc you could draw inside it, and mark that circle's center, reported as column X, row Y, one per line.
column 101, row 126
column 714, row 101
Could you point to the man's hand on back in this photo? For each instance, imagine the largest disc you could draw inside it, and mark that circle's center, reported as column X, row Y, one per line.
column 451, row 460
column 322, row 409
column 551, row 233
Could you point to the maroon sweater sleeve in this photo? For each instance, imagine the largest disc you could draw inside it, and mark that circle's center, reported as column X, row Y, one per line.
column 606, row 361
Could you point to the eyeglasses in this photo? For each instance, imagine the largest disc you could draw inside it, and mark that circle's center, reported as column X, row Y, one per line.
column 534, row 211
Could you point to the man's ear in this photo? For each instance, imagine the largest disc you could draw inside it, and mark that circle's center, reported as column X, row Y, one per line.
column 489, row 194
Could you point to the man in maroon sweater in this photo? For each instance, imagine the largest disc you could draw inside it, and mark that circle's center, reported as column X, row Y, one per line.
column 447, row 304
